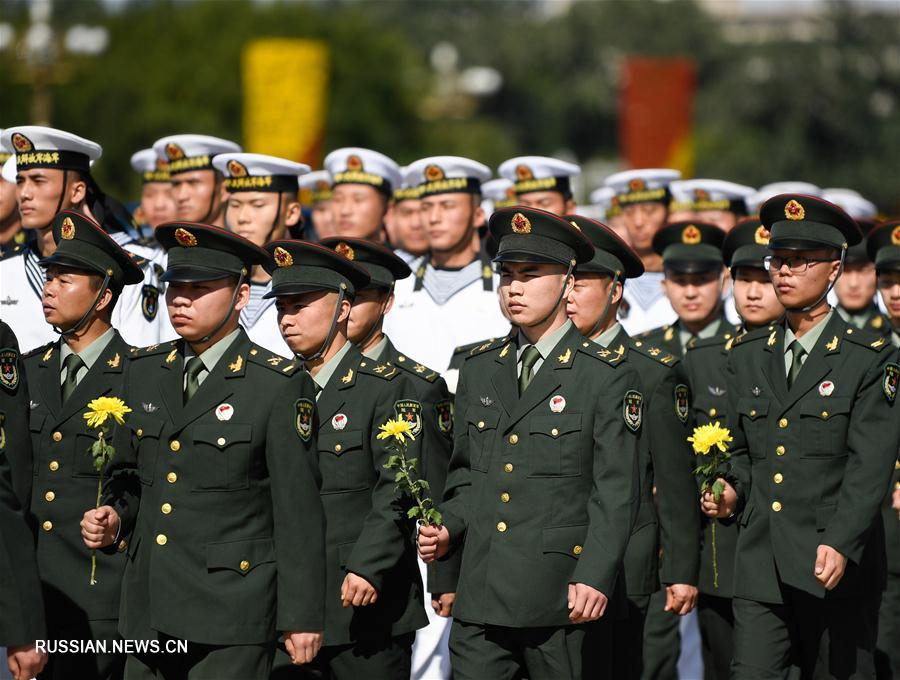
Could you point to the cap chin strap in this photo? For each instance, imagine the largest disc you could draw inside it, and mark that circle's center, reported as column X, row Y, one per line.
column 342, row 295
column 559, row 297
column 87, row 315
column 62, row 195
column 371, row 333
column 597, row 327
column 234, row 297
column 827, row 290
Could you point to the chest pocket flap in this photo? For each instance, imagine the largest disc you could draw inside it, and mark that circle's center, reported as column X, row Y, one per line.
column 143, row 426
column 753, row 408
column 222, row 436
column 340, row 442
column 36, row 422
column 825, row 407
column 483, row 418
column 240, row 556
column 557, row 425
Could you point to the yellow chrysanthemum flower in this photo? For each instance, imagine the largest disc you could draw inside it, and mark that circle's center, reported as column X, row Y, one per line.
column 708, row 436
column 397, row 429
column 102, row 408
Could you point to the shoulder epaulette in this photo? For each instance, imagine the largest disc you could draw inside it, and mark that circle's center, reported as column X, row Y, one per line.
column 750, row 336
column 715, row 341
column 15, row 251
column 38, row 350
column 418, row 370
column 873, row 341
column 654, row 331
column 385, row 371
column 263, row 357
column 487, row 346
column 656, row 353
column 150, row 350
column 610, row 355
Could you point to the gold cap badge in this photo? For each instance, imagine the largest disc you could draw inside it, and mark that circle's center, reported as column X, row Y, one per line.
column 174, row 152
column 895, row 236
column 236, row 168
column 354, row 163
column 282, row 257
column 520, row 224
column 67, row 230
column 794, row 211
column 21, row 143
column 524, row 173
column 185, row 238
column 345, row 250
column 691, row 235
column 434, row 173
column 637, row 184
column 761, row 236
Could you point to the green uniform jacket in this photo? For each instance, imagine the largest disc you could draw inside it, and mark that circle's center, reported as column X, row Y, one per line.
column 668, row 337
column 811, row 467
column 540, row 496
column 368, row 532
column 228, row 539
column 437, row 445
column 65, row 486
column 705, row 363
column 875, row 321
column 22, row 621
column 890, row 516
column 672, row 521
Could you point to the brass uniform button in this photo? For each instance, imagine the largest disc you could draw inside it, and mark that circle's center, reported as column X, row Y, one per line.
column 47, row 526
column 712, row 412
column 54, row 466
column 171, row 478
column 514, row 439
column 780, row 450
column 776, row 506
column 140, row 432
column 161, row 539
column 779, row 478
column 501, row 527
column 175, row 445
column 338, row 448
column 504, row 497
column 57, row 436
column 508, row 467
column 166, row 508
column 824, row 414
column 122, row 546
column 896, row 486
column 245, row 565
column 577, row 550
column 221, row 441
column 783, row 423
column 752, row 412
column 480, row 424
column 49, row 496
column 554, row 432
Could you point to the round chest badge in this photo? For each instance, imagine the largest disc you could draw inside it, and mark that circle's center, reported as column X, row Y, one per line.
column 339, row 422
column 557, row 403
column 826, row 388
column 224, row 411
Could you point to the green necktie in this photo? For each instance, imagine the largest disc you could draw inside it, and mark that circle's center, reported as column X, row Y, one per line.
column 72, row 364
column 192, row 371
column 797, row 354
column 529, row 359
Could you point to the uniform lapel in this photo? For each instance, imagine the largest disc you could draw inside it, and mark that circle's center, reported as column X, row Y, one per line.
column 95, row 382
column 817, row 364
column 504, row 378
column 48, row 379
column 334, row 394
column 171, row 381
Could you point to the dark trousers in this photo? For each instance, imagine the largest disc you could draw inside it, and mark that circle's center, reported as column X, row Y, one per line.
column 887, row 653
column 628, row 639
column 100, row 666
column 201, row 662
column 479, row 652
column 805, row 637
column 387, row 658
column 716, row 622
column 662, row 640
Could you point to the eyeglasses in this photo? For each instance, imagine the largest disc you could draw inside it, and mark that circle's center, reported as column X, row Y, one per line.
column 796, row 264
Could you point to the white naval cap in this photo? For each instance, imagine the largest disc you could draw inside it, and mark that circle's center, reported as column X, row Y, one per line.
column 315, row 187
column 448, row 175
column 644, row 185
column 501, row 192
column 8, row 174
column 539, row 173
column 43, row 147
column 258, row 172
column 354, row 165
column 408, row 189
column 709, row 194
column 767, row 191
column 6, row 149
column 852, row 202
column 186, row 153
column 604, row 199
column 151, row 167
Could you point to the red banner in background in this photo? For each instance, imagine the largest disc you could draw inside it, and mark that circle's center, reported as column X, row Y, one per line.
column 656, row 107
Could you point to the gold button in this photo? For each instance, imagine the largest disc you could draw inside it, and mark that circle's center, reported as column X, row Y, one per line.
column 783, row 423
column 401, row 358
column 577, row 550
column 501, row 527
column 220, row 441
column 480, row 424
column 49, row 496
column 508, row 467
column 514, row 439
column 245, row 565
column 166, row 508
column 897, row 465
column 849, row 331
column 161, row 539
column 54, row 466
column 896, row 486
column 779, row 450
column 504, row 497
column 779, row 478
column 638, row 343
column 712, row 412
column 752, row 412
column 824, row 414
column 776, row 506
column 171, row 478
column 122, row 545
column 47, row 526
column 338, row 448
column 554, row 432
column 174, row 445
column 57, row 436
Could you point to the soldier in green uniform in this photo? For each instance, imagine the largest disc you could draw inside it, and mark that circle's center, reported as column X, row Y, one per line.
column 84, row 278
column 857, row 288
column 23, row 620
column 228, row 544
column 373, row 591
column 542, row 488
column 815, row 440
column 665, row 456
column 883, row 247
column 705, row 361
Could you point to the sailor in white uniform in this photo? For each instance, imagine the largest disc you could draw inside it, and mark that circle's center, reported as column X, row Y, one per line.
column 403, row 223
column 315, row 197
column 262, row 206
column 450, row 300
column 542, row 182
column 53, row 174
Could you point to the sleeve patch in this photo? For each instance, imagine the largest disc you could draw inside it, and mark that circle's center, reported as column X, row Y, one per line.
column 444, row 413
column 9, row 368
column 682, row 402
column 890, row 381
column 409, row 411
column 303, row 418
column 633, row 410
